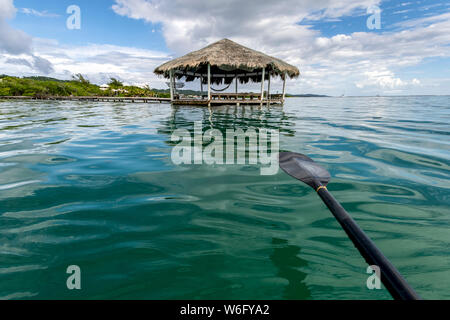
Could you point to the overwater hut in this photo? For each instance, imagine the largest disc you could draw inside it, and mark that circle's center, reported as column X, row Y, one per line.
column 223, row 63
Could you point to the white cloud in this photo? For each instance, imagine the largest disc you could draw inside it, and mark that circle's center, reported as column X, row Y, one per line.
column 11, row 40
column 97, row 62
column 8, row 11
column 16, row 42
column 18, row 61
column 361, row 62
column 422, row 22
column 402, row 11
column 42, row 65
column 384, row 79
column 42, row 14
column 189, row 25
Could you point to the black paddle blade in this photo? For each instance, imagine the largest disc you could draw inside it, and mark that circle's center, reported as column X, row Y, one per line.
column 304, row 169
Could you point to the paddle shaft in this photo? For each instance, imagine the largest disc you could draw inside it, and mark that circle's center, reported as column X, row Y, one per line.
column 391, row 278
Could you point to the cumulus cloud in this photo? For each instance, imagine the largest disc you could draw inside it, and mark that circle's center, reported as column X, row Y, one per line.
column 383, row 79
column 8, row 11
column 26, row 64
column 21, row 55
column 16, row 42
column 357, row 61
column 363, row 62
column 42, row 65
column 97, row 62
column 12, row 40
column 22, row 62
column 192, row 24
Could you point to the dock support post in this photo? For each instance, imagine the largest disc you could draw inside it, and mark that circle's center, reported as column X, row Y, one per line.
column 262, row 85
column 201, row 85
column 209, row 85
column 171, row 85
column 284, row 86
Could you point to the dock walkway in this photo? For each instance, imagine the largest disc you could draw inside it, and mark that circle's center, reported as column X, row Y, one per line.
column 90, row 98
column 219, row 99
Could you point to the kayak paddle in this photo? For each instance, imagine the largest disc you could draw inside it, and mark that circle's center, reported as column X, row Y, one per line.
column 306, row 170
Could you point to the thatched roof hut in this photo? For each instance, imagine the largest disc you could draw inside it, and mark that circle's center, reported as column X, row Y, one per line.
column 227, row 60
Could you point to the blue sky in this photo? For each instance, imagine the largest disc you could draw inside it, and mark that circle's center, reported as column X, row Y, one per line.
column 100, row 24
column 393, row 12
column 329, row 41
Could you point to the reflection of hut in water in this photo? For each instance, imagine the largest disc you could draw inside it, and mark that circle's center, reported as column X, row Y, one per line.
column 228, row 116
column 225, row 62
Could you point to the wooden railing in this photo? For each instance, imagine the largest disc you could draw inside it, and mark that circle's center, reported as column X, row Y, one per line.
column 233, row 96
column 236, row 96
column 276, row 96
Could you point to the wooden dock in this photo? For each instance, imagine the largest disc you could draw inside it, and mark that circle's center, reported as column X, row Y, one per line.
column 199, row 102
column 90, row 98
column 245, row 98
column 216, row 99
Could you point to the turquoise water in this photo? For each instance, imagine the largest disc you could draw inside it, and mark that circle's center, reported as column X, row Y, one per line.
column 93, row 185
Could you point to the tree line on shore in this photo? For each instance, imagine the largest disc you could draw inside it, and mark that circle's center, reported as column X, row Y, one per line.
column 42, row 87
column 77, row 86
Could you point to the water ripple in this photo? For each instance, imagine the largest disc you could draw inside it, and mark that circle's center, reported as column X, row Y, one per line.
column 92, row 184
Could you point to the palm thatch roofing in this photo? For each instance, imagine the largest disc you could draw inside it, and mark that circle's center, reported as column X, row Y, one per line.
column 228, row 59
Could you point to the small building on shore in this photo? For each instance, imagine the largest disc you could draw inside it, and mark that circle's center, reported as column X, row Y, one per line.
column 226, row 63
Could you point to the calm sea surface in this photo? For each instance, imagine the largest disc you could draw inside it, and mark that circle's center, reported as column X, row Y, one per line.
column 93, row 185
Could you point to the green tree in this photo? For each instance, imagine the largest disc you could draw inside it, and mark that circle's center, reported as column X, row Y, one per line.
column 114, row 83
column 81, row 79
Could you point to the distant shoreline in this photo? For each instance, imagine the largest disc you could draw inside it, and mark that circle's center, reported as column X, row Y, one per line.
column 42, row 87
column 45, row 87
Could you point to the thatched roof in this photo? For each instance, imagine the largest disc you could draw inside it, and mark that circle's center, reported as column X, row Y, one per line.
column 227, row 59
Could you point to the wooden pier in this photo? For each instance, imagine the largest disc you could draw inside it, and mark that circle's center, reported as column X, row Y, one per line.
column 90, row 98
column 216, row 99
column 238, row 99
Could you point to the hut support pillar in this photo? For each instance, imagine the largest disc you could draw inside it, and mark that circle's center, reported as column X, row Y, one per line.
column 201, row 85
column 268, row 91
column 237, row 80
column 262, row 84
column 171, row 85
column 284, row 86
column 209, row 85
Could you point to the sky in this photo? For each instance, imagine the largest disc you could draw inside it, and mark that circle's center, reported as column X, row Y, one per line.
column 342, row 47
